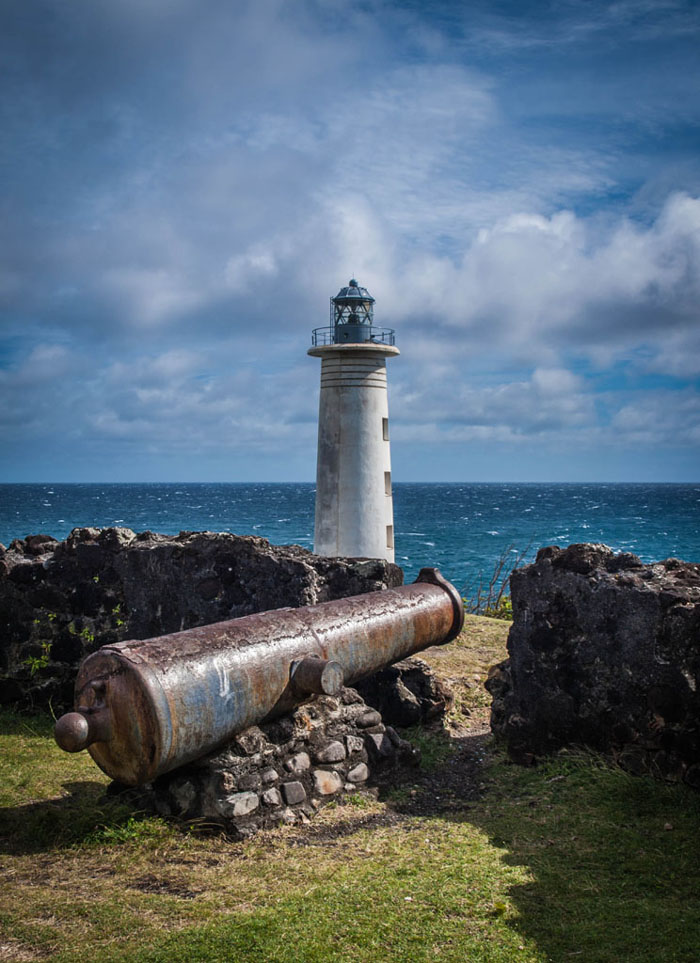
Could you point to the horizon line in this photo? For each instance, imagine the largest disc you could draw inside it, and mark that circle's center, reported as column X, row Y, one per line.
column 394, row 483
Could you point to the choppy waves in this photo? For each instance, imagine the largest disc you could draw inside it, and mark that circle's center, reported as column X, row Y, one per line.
column 462, row 529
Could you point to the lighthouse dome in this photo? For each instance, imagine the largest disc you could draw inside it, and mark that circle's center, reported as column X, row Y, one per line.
column 353, row 291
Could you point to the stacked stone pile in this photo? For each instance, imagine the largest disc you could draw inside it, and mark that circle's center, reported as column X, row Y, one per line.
column 604, row 651
column 59, row 601
column 281, row 772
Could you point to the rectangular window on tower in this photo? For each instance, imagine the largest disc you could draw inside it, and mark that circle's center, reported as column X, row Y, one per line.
column 390, row 536
column 385, row 429
column 387, row 483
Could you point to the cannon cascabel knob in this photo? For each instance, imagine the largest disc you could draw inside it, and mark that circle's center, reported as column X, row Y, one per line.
column 72, row 732
column 78, row 730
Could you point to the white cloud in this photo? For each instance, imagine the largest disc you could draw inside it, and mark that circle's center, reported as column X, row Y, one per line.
column 151, row 296
column 667, row 418
column 555, row 381
column 550, row 400
column 252, row 266
column 538, row 285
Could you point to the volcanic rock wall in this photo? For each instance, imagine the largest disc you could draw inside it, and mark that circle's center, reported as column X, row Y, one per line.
column 59, row 601
column 605, row 652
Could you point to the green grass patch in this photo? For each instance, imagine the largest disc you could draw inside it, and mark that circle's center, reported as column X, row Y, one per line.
column 49, row 798
column 614, row 858
column 435, row 745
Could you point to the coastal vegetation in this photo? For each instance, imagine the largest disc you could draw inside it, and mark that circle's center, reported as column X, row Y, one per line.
column 490, row 596
column 466, row 858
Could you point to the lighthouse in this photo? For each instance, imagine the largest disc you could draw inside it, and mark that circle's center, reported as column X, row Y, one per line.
column 354, row 506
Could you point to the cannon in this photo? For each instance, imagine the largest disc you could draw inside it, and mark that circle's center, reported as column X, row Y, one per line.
column 146, row 707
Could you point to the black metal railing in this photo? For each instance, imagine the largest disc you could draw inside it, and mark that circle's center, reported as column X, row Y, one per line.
column 365, row 334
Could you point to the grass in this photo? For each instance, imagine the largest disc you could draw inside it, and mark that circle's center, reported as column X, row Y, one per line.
column 573, row 860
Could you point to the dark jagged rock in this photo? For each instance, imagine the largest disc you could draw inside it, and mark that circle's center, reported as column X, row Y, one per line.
column 59, row 601
column 605, row 652
column 406, row 693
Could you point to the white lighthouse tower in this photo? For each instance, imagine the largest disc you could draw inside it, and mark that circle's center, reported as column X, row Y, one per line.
column 354, row 507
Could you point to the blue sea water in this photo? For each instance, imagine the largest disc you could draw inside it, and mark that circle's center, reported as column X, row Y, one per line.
column 461, row 528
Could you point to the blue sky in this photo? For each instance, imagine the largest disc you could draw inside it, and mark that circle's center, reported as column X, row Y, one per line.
column 186, row 183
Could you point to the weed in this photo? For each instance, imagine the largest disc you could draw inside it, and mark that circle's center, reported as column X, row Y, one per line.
column 359, row 801
column 398, row 795
column 37, row 662
column 135, row 829
column 502, row 610
column 435, row 746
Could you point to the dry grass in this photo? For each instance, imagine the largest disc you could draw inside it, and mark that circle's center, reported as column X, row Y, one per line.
column 464, row 665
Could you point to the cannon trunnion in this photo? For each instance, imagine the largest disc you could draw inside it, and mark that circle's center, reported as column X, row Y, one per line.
column 146, row 707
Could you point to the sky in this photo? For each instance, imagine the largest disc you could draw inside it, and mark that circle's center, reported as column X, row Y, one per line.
column 186, row 183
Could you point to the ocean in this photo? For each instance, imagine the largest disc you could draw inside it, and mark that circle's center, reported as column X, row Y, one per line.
column 462, row 529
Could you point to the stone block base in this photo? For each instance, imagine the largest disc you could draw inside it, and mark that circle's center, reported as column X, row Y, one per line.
column 281, row 772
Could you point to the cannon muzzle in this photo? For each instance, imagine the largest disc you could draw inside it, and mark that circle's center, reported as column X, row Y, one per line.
column 146, row 707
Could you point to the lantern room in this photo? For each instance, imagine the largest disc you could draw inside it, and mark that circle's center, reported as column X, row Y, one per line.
column 352, row 317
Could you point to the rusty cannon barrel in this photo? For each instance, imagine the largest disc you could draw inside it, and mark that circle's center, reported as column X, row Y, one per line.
column 146, row 707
